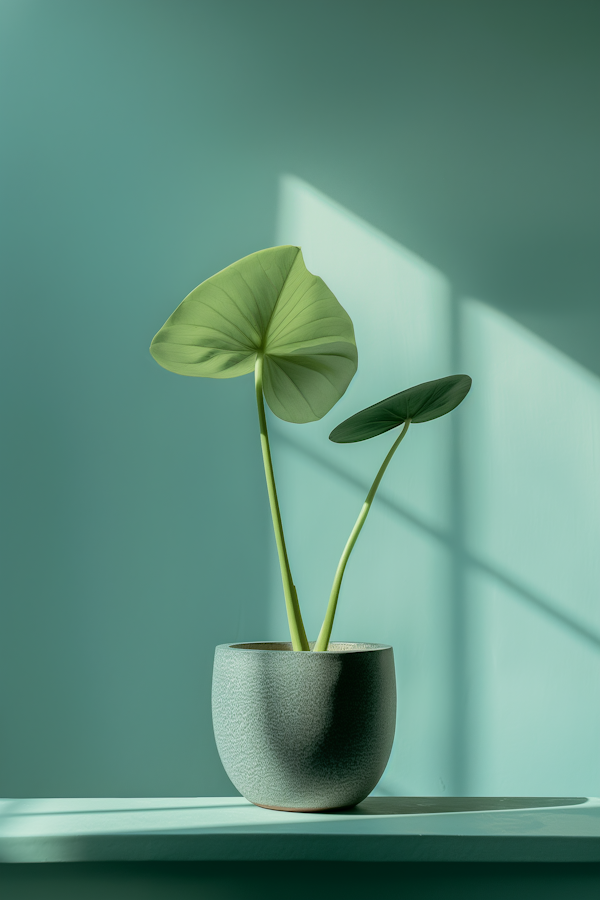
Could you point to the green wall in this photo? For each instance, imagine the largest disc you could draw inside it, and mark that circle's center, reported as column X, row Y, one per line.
column 144, row 147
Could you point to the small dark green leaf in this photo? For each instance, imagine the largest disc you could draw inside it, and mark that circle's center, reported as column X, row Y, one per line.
column 419, row 404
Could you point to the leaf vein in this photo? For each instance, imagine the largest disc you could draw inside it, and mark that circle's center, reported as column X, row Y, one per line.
column 220, row 313
column 275, row 363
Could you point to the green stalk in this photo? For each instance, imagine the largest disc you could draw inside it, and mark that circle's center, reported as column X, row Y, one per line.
column 325, row 633
column 297, row 632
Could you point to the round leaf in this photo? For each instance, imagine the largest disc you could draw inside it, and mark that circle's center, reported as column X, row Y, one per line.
column 266, row 303
column 419, row 404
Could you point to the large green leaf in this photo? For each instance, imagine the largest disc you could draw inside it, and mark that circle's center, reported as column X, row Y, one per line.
column 419, row 404
column 266, row 303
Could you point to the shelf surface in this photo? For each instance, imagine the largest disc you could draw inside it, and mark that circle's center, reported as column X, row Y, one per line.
column 392, row 829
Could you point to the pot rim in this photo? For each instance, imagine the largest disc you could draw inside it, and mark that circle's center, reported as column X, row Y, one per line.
column 339, row 648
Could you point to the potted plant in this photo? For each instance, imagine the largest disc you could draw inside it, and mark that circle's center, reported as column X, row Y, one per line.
column 310, row 729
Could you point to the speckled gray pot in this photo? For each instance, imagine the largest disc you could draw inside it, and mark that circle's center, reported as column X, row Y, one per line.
column 304, row 731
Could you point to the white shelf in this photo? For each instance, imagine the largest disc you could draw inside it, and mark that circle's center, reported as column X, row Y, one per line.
column 392, row 829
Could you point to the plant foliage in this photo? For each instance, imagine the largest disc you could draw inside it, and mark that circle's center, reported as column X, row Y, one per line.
column 265, row 304
column 420, row 403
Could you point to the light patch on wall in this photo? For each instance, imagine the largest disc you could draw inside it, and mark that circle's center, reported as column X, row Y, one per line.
column 400, row 307
column 398, row 586
column 532, row 452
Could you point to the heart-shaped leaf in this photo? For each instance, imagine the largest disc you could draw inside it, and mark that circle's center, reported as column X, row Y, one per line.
column 419, row 404
column 266, row 303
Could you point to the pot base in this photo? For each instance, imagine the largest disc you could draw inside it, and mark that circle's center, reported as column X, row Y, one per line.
column 322, row 809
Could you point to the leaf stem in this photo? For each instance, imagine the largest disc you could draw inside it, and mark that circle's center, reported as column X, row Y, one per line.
column 297, row 632
column 325, row 633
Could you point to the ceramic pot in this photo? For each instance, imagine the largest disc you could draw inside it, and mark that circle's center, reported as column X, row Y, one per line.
column 304, row 731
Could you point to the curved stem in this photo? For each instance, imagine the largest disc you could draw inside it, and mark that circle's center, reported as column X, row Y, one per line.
column 297, row 632
column 325, row 633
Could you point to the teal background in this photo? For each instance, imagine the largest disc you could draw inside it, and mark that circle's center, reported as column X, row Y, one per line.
column 145, row 146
